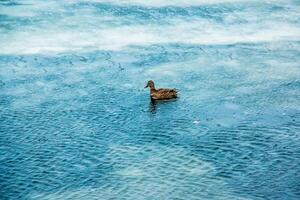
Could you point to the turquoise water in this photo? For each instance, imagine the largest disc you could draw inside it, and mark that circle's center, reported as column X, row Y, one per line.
column 77, row 123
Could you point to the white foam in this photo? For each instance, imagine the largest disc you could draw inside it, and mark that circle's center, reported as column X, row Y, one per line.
column 162, row 3
column 198, row 32
column 93, row 32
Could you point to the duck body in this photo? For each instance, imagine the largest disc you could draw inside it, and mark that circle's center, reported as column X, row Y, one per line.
column 161, row 94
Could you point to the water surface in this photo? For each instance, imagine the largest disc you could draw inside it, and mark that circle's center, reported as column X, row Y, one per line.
column 76, row 122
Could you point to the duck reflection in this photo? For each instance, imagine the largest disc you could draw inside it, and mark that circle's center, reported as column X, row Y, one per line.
column 152, row 106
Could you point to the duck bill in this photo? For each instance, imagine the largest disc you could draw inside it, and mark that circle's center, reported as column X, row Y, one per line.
column 146, row 86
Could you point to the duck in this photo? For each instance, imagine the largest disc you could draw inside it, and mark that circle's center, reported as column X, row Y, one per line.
column 162, row 93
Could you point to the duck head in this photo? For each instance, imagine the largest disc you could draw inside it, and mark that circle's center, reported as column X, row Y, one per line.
column 150, row 84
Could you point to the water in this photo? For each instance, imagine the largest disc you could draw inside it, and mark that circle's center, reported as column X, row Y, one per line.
column 76, row 122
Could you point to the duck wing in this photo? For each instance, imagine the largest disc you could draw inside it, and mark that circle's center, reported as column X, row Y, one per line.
column 167, row 90
column 161, row 94
column 162, row 90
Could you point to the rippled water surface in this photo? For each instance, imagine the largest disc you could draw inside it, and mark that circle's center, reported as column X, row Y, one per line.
column 76, row 122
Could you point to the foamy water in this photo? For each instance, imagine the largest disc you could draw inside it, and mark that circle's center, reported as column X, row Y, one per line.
column 76, row 122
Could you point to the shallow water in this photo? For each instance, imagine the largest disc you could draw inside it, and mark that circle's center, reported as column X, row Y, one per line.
column 76, row 122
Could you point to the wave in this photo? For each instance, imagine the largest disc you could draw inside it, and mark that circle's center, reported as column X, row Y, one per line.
column 38, row 27
column 118, row 38
column 161, row 3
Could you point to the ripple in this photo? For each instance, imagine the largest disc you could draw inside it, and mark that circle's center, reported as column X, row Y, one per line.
column 141, row 167
column 76, row 122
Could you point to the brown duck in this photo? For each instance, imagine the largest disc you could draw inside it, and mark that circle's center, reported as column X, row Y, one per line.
column 161, row 94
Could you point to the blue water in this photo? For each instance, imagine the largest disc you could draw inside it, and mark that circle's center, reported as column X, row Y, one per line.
column 77, row 123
